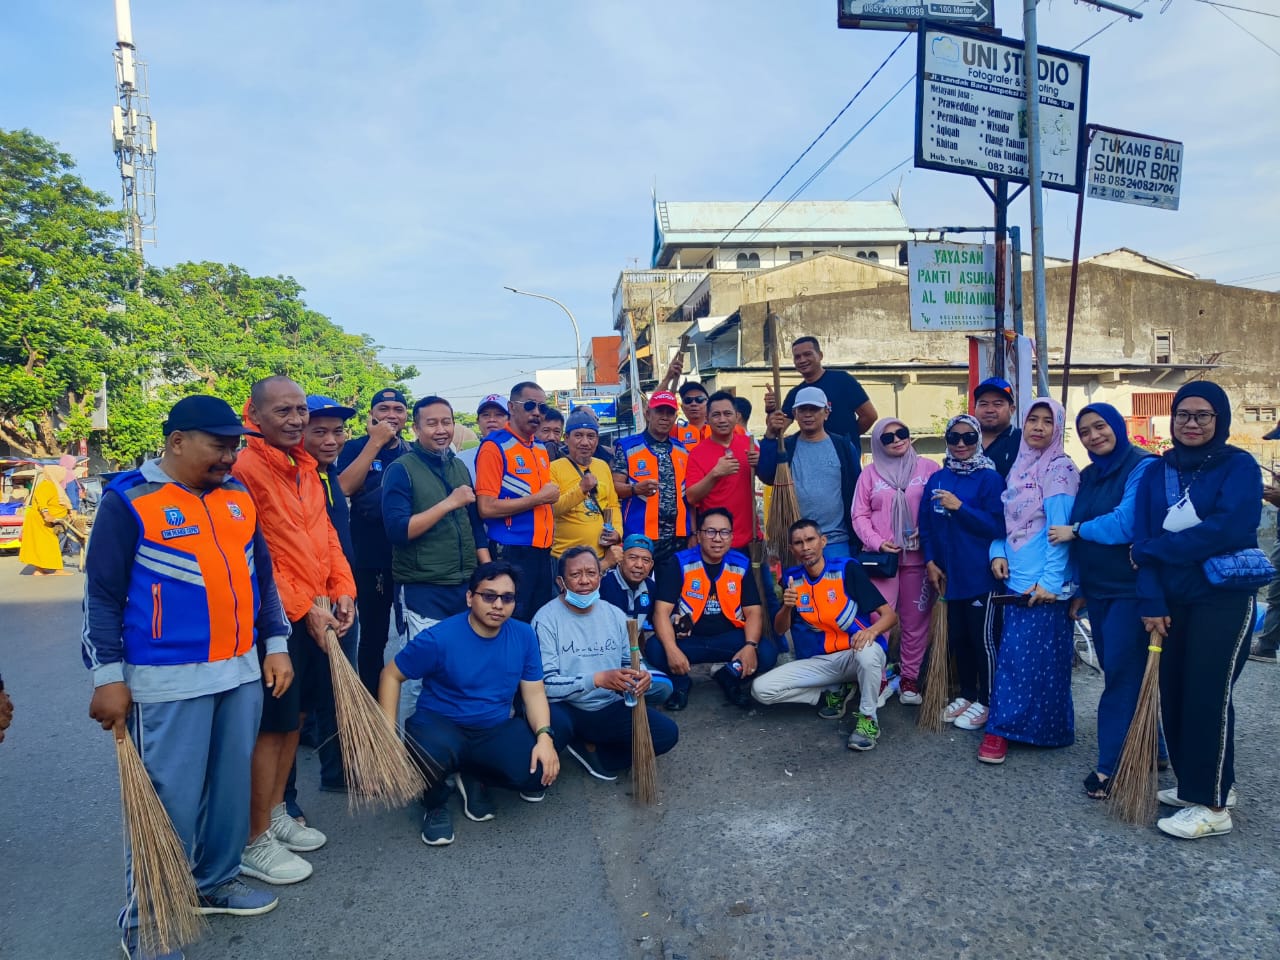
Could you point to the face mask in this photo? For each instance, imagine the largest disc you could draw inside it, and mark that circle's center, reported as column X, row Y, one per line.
column 581, row 600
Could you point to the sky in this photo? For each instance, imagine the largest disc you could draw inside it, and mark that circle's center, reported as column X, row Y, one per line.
column 405, row 161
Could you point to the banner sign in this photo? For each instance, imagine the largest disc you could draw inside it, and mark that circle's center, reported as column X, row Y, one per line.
column 883, row 14
column 971, row 111
column 606, row 409
column 1134, row 168
column 953, row 286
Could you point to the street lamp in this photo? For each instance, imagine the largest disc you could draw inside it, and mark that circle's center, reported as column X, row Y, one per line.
column 577, row 337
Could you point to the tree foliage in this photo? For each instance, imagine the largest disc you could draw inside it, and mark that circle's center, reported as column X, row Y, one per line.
column 69, row 315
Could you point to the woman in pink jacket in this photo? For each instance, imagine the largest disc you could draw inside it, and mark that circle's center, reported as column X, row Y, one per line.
column 886, row 510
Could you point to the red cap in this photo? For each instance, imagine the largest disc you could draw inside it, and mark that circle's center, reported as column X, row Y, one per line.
column 664, row 398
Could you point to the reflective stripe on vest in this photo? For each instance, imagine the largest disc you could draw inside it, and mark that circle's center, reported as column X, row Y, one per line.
column 696, row 585
column 827, row 607
column 526, row 469
column 193, row 593
column 640, row 514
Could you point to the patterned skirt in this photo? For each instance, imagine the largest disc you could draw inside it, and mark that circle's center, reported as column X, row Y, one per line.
column 1031, row 690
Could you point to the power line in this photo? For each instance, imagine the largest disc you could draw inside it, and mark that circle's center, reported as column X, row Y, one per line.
column 1228, row 6
column 866, row 187
column 1214, row 253
column 815, row 140
column 1245, row 29
column 1105, row 27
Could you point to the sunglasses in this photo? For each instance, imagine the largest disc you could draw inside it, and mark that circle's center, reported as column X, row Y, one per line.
column 696, row 400
column 528, row 406
column 489, row 597
column 962, row 439
column 890, row 437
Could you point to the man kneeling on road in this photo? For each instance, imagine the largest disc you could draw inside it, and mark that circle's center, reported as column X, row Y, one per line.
column 471, row 665
column 587, row 668
column 835, row 640
column 712, row 595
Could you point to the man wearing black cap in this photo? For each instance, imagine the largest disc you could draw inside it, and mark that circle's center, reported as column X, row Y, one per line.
column 360, row 468
column 993, row 406
column 178, row 582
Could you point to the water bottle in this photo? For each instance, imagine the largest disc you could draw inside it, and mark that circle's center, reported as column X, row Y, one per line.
column 629, row 697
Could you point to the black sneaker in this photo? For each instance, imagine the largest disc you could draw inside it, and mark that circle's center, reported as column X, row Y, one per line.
column 1261, row 655
column 533, row 796
column 437, row 827
column 678, row 700
column 590, row 760
column 476, row 802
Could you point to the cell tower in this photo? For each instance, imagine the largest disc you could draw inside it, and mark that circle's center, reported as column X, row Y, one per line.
column 133, row 136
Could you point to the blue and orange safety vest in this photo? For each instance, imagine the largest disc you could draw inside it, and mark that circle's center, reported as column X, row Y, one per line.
column 640, row 514
column 526, row 469
column 193, row 592
column 697, row 586
column 826, row 607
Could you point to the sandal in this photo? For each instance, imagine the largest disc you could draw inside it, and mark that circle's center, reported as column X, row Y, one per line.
column 1095, row 788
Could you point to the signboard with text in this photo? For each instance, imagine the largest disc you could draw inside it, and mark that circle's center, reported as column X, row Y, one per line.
column 1134, row 168
column 905, row 14
column 953, row 286
column 971, row 111
column 606, row 408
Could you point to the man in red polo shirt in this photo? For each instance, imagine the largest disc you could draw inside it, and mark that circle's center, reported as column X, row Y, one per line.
column 720, row 469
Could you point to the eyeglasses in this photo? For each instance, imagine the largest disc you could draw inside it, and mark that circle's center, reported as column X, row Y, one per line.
column 489, row 597
column 1202, row 417
column 890, row 437
column 696, row 400
column 711, row 533
column 962, row 439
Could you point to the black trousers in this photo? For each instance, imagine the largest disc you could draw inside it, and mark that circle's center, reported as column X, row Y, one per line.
column 537, row 584
column 973, row 645
column 1207, row 647
column 375, row 598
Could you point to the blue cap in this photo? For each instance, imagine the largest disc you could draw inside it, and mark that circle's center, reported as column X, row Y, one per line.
column 208, row 415
column 637, row 540
column 319, row 406
column 582, row 418
column 389, row 394
column 994, row 385
column 1273, row 435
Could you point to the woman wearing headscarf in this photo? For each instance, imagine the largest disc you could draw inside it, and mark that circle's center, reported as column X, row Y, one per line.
column 1202, row 501
column 962, row 515
column 47, row 504
column 1100, row 532
column 1031, row 690
column 886, row 510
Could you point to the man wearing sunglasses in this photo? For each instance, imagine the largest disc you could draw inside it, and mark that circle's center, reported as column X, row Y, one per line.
column 515, row 495
column 692, row 427
column 821, row 463
column 710, row 592
column 993, row 406
column 471, row 666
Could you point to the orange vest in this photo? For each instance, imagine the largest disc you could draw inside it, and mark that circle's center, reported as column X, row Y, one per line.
column 688, row 435
column 526, row 469
column 640, row 514
column 696, row 589
column 826, row 606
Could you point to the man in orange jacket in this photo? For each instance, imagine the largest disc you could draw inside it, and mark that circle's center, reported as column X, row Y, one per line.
column 308, row 562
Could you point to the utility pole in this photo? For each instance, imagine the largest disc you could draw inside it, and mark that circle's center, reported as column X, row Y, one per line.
column 133, row 137
column 1031, row 84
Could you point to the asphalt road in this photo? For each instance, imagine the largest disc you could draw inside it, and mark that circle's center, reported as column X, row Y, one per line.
column 772, row 841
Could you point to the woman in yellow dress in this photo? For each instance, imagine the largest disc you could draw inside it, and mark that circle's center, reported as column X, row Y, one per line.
column 48, row 503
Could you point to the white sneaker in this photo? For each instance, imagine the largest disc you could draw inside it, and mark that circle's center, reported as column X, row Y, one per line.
column 973, row 718
column 293, row 835
column 1169, row 797
column 266, row 859
column 954, row 709
column 1196, row 821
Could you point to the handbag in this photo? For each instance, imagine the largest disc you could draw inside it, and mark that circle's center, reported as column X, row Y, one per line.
column 1247, row 569
column 882, row 566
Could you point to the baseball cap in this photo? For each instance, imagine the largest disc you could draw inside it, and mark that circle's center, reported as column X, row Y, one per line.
column 390, row 393
column 994, row 385
column 1273, row 435
column 493, row 400
column 319, row 406
column 637, row 540
column 810, row 397
column 664, row 398
column 581, row 419
column 207, row 414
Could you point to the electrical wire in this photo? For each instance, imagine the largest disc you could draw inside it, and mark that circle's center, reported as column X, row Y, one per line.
column 1228, row 6
column 868, row 186
column 1245, row 29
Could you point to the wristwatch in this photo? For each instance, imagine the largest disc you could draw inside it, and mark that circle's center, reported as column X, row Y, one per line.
column 547, row 730
column 1075, row 531
column 752, row 643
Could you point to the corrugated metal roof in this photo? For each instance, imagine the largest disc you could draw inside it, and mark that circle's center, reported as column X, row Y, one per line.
column 707, row 222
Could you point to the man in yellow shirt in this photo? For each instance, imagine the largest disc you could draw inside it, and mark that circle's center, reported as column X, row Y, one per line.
column 588, row 509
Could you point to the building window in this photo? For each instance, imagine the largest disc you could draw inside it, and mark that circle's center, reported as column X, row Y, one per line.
column 1259, row 414
column 797, row 255
column 748, row 261
column 1159, row 404
column 870, row 255
column 902, row 255
column 1164, row 346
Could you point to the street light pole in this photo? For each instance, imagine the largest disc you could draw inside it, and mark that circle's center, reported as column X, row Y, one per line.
column 577, row 337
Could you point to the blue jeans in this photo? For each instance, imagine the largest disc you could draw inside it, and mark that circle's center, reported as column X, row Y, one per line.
column 836, row 551
column 609, row 728
column 718, row 648
column 498, row 755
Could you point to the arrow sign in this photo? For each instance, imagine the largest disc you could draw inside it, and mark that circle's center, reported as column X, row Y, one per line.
column 884, row 14
column 1127, row 167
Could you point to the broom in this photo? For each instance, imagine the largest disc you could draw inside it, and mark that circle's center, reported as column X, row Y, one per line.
column 163, row 887
column 644, row 765
column 375, row 762
column 937, row 681
column 784, row 509
column 1132, row 798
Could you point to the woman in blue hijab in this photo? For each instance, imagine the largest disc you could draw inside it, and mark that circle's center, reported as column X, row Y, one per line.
column 1100, row 533
column 1203, row 500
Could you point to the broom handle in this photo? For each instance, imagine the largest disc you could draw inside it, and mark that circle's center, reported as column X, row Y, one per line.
column 772, row 321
